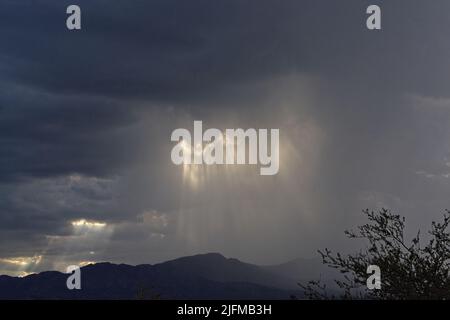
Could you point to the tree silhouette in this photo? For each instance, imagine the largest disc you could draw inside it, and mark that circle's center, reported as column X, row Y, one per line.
column 408, row 269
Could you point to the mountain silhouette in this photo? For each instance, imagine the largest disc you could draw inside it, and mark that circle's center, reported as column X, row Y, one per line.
column 204, row 276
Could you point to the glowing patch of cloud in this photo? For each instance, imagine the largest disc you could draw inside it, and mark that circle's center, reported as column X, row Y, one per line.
column 85, row 263
column 22, row 261
column 88, row 224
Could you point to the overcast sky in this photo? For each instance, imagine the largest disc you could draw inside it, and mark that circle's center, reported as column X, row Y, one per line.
column 86, row 118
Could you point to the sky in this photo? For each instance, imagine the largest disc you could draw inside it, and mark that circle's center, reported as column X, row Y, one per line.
column 86, row 118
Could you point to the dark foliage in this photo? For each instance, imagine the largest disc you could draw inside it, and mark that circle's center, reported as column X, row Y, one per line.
column 409, row 270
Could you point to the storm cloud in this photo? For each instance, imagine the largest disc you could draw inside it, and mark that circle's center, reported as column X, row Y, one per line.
column 86, row 117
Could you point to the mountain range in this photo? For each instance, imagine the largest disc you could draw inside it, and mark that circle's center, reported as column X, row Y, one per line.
column 204, row 276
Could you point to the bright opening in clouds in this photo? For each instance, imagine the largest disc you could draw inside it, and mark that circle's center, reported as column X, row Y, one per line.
column 82, row 224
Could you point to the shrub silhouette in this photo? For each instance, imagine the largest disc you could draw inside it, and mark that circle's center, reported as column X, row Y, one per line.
column 408, row 269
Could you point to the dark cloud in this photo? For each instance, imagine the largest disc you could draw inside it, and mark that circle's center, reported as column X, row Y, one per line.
column 170, row 49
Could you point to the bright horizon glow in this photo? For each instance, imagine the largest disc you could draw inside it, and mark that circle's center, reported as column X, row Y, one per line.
column 23, row 261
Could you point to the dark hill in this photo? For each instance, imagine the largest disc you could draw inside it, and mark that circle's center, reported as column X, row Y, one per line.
column 207, row 276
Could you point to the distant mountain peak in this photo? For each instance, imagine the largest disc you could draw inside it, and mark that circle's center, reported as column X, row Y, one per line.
column 203, row 256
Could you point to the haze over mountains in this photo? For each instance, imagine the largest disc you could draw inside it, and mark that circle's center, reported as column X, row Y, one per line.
column 205, row 276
